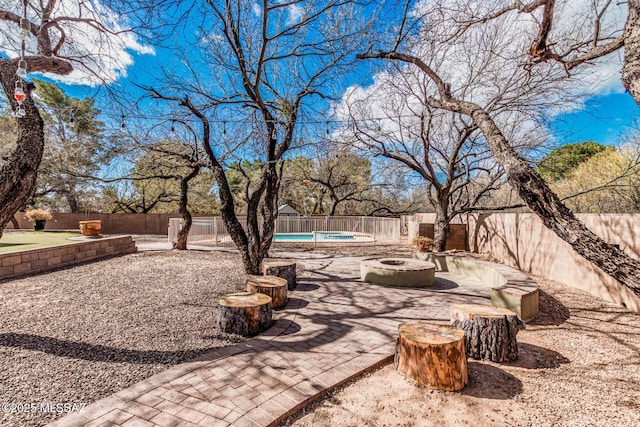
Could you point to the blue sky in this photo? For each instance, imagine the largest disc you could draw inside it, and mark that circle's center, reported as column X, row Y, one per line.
column 606, row 119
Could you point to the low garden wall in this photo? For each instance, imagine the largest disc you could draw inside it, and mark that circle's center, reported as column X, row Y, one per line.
column 42, row 259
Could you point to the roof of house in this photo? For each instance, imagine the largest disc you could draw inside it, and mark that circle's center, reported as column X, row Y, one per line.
column 287, row 210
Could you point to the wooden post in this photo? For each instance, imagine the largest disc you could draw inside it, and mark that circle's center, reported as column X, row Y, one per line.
column 244, row 313
column 273, row 286
column 432, row 355
column 490, row 331
column 284, row 269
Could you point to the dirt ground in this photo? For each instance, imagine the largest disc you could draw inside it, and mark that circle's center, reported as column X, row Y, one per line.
column 578, row 365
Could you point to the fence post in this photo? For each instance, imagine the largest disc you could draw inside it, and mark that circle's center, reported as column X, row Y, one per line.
column 375, row 225
column 215, row 230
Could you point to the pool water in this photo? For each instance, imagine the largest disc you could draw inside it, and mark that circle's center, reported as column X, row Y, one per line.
column 320, row 236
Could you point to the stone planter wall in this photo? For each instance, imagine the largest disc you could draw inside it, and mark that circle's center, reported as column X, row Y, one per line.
column 30, row 261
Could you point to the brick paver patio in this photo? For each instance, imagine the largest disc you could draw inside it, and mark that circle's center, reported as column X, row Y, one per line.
column 333, row 329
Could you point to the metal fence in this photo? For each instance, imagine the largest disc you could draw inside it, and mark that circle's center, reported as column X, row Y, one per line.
column 299, row 230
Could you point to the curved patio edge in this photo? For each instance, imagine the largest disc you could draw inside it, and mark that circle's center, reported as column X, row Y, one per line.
column 510, row 288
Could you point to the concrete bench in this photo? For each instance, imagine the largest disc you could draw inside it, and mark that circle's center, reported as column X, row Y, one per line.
column 510, row 288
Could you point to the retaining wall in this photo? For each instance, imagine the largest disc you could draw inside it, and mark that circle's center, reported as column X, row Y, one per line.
column 522, row 241
column 42, row 259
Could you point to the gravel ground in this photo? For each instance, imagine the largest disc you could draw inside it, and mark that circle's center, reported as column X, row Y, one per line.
column 578, row 365
column 80, row 334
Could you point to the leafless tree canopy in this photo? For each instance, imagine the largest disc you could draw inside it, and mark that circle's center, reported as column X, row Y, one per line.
column 449, row 95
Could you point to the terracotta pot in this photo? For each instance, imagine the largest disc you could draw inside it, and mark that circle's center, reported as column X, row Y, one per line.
column 90, row 228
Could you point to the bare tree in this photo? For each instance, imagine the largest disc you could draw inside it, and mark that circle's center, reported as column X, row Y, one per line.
column 272, row 58
column 394, row 121
column 530, row 186
column 330, row 180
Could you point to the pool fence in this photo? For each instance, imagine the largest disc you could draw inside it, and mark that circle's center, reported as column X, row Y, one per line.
column 328, row 230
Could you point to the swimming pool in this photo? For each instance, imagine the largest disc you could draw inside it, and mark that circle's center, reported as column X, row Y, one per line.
column 322, row 236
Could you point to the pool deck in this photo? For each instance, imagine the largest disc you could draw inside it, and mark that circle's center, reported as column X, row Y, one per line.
column 334, row 328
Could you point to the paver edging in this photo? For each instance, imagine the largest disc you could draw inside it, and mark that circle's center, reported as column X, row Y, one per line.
column 386, row 360
column 41, row 260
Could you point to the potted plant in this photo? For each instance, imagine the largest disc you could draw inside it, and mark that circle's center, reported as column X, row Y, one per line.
column 39, row 217
column 423, row 246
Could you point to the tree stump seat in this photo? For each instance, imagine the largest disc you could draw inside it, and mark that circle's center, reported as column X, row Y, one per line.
column 244, row 313
column 490, row 331
column 281, row 268
column 273, row 286
column 432, row 355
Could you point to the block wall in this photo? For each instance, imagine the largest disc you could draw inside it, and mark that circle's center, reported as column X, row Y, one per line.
column 42, row 259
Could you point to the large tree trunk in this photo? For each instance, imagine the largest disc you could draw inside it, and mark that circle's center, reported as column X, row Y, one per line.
column 18, row 175
column 535, row 192
column 631, row 67
column 187, row 220
column 442, row 226
column 72, row 200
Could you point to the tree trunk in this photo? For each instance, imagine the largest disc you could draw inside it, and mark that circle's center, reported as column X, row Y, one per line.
column 432, row 355
column 244, row 313
column 490, row 332
column 334, row 206
column 535, row 192
column 18, row 175
column 631, row 67
column 529, row 184
column 187, row 220
column 272, row 286
column 283, row 269
column 15, row 223
column 442, row 226
column 72, row 200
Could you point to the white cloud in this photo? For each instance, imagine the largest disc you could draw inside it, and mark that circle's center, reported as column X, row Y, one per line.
column 103, row 56
column 296, row 13
column 256, row 9
column 489, row 60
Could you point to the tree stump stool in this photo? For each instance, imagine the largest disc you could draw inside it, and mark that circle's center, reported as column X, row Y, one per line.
column 490, row 331
column 432, row 355
column 244, row 313
column 283, row 269
column 275, row 287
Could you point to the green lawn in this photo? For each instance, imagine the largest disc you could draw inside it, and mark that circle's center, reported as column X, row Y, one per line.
column 19, row 240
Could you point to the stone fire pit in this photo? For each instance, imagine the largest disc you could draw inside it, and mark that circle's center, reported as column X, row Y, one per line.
column 403, row 272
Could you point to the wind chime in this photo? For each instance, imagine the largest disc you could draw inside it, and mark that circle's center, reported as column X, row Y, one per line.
column 19, row 94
